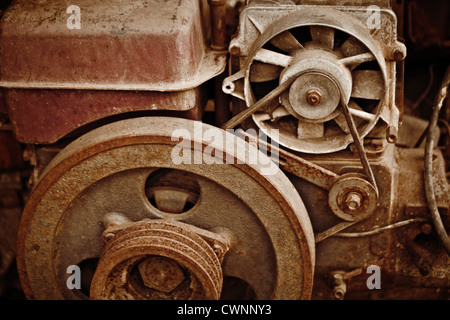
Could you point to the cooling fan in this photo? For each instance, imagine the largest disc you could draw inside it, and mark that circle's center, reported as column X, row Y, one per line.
column 324, row 55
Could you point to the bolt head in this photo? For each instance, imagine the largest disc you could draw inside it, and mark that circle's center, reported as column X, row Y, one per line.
column 427, row 228
column 161, row 273
column 313, row 96
column 399, row 55
column 353, row 201
column 235, row 50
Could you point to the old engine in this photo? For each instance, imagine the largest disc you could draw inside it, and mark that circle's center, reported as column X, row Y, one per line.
column 224, row 149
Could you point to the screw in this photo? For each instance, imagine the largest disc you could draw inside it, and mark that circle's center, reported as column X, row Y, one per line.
column 427, row 228
column 353, row 201
column 339, row 286
column 398, row 55
column 313, row 96
column 235, row 50
column 161, row 273
column 398, row 52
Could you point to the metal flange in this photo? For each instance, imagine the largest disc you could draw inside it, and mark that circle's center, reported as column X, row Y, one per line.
column 352, row 198
column 157, row 259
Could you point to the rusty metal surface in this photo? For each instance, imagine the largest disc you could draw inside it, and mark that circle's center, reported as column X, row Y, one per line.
column 409, row 253
column 29, row 110
column 353, row 198
column 139, row 45
column 301, row 167
column 110, row 165
column 259, row 15
column 218, row 24
column 140, row 226
column 173, row 261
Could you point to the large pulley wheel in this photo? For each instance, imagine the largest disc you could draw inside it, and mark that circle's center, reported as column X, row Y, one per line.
column 130, row 168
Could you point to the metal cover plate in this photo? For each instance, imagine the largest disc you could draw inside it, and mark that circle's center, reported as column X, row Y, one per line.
column 120, row 45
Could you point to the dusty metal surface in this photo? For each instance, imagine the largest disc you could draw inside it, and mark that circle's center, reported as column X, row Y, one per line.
column 307, row 44
column 353, row 198
column 140, row 56
column 145, row 45
column 109, row 167
column 407, row 251
column 71, row 109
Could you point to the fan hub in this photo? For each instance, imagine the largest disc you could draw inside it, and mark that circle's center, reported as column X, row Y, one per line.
column 314, row 95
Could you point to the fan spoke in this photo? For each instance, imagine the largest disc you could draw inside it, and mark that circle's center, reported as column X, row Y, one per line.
column 364, row 115
column 357, row 112
column 323, row 36
column 262, row 72
column 286, row 41
column 272, row 57
column 357, row 59
column 367, row 84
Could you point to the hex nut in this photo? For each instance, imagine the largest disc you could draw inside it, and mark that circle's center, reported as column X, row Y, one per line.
column 161, row 273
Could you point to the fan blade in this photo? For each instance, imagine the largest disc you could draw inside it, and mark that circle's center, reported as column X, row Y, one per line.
column 323, row 36
column 272, row 57
column 278, row 113
column 367, row 84
column 308, row 130
column 262, row 72
column 352, row 47
column 286, row 41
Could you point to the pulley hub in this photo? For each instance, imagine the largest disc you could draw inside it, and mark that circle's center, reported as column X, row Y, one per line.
column 314, row 95
column 353, row 198
column 157, row 259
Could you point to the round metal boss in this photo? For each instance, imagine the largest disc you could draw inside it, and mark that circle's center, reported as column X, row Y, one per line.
column 313, row 96
column 352, row 198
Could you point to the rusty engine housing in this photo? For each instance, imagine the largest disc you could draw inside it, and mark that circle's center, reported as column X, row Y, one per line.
column 349, row 195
